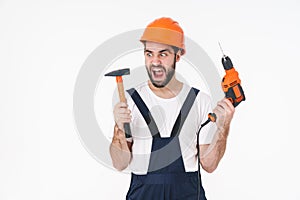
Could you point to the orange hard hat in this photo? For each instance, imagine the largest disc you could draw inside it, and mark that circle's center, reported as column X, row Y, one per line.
column 166, row 31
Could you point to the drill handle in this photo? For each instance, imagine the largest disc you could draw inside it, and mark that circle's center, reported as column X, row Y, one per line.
column 235, row 94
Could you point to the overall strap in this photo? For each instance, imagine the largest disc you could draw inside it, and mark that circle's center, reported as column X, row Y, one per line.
column 144, row 111
column 185, row 109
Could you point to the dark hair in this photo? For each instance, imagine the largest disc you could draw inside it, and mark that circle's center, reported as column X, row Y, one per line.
column 176, row 49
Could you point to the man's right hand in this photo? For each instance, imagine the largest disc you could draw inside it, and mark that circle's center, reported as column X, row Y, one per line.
column 122, row 114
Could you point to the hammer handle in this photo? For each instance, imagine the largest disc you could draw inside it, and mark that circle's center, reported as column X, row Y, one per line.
column 123, row 99
column 121, row 91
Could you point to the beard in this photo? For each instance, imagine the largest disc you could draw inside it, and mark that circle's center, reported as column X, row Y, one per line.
column 168, row 73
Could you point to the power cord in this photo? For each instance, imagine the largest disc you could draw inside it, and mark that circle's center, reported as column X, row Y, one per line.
column 211, row 117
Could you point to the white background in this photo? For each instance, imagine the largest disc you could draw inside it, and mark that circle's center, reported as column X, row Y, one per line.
column 44, row 43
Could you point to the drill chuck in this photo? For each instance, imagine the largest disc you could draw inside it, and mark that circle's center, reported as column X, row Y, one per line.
column 227, row 64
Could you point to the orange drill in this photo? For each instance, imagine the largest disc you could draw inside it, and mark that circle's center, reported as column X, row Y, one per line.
column 231, row 85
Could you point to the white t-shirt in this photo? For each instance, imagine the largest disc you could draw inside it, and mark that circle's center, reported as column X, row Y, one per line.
column 165, row 112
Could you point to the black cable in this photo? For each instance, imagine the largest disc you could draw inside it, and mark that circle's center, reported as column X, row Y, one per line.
column 198, row 155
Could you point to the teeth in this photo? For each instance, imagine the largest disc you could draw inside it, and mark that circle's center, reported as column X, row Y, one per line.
column 157, row 70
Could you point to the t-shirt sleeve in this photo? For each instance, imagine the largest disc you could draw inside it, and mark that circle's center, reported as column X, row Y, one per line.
column 207, row 132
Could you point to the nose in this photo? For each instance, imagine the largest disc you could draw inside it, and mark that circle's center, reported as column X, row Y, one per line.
column 155, row 61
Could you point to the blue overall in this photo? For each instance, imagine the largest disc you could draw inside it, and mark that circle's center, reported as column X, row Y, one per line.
column 166, row 178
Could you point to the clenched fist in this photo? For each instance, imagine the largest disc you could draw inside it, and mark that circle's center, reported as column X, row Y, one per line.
column 224, row 111
column 122, row 114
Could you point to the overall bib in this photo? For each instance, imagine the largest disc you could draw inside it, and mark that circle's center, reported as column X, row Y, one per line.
column 166, row 178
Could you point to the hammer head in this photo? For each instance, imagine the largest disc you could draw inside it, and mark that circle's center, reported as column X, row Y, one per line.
column 119, row 72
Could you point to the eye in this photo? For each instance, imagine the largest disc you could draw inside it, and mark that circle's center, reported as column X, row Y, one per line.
column 163, row 55
column 148, row 54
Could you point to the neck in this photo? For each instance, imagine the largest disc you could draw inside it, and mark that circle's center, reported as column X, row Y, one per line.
column 169, row 91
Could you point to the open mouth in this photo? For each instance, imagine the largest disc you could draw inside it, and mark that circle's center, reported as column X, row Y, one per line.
column 158, row 72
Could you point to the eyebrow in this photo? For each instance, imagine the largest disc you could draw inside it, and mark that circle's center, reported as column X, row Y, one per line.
column 161, row 51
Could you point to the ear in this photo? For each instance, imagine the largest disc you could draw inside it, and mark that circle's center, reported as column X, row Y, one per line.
column 178, row 56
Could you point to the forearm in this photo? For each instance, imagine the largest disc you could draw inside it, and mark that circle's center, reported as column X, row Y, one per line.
column 119, row 150
column 212, row 154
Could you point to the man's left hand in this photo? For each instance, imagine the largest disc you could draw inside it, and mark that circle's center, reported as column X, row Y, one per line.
column 224, row 111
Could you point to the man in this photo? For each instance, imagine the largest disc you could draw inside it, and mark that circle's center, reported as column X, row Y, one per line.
column 165, row 115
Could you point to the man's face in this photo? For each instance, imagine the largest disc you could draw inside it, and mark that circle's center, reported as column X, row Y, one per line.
column 160, row 62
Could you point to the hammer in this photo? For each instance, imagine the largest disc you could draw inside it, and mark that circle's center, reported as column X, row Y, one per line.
column 118, row 74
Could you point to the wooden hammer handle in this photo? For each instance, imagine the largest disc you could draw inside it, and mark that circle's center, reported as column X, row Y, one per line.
column 123, row 99
column 121, row 89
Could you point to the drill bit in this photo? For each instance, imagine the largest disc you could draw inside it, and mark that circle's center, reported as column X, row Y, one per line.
column 221, row 49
